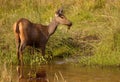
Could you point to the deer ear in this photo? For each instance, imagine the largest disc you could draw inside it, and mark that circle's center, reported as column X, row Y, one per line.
column 59, row 12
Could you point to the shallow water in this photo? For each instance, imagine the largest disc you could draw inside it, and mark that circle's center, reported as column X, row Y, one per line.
column 62, row 72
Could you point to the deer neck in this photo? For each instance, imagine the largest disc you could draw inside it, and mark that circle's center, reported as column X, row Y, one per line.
column 52, row 27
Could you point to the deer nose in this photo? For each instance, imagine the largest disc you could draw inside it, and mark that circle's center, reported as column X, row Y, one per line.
column 70, row 24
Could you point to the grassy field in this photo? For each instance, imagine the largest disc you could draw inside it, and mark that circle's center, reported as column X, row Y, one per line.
column 95, row 34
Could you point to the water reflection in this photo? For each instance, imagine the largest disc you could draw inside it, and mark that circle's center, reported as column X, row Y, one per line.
column 67, row 73
column 29, row 74
column 60, row 71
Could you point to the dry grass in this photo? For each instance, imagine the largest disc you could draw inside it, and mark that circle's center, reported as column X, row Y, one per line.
column 95, row 31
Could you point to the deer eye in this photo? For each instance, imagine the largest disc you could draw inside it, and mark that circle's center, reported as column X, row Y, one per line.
column 62, row 17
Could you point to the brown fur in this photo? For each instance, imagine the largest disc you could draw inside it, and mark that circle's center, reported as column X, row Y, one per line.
column 37, row 35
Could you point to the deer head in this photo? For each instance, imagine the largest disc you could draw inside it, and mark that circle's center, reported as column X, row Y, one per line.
column 61, row 19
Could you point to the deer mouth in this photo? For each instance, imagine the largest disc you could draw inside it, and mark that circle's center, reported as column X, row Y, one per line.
column 69, row 25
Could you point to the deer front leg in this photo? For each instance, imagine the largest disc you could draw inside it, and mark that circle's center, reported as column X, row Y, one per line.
column 43, row 50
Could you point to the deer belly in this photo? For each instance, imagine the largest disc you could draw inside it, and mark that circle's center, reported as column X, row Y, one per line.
column 36, row 44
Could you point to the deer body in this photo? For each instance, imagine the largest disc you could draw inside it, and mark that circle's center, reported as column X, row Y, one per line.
column 37, row 35
column 31, row 34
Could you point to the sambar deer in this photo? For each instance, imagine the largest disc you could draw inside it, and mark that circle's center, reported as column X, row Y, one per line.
column 37, row 35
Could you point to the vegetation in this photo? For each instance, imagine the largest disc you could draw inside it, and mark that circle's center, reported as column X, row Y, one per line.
column 94, row 35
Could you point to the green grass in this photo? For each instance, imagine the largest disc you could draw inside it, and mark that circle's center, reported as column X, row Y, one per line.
column 94, row 34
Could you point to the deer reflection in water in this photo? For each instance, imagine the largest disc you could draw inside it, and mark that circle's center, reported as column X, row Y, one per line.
column 38, row 76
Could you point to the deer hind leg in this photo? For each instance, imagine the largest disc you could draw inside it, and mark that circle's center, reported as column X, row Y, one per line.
column 18, row 46
column 22, row 47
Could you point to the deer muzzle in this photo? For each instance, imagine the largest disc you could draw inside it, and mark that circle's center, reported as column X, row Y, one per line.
column 69, row 25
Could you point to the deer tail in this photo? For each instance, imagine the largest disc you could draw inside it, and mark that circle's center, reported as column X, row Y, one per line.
column 16, row 27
